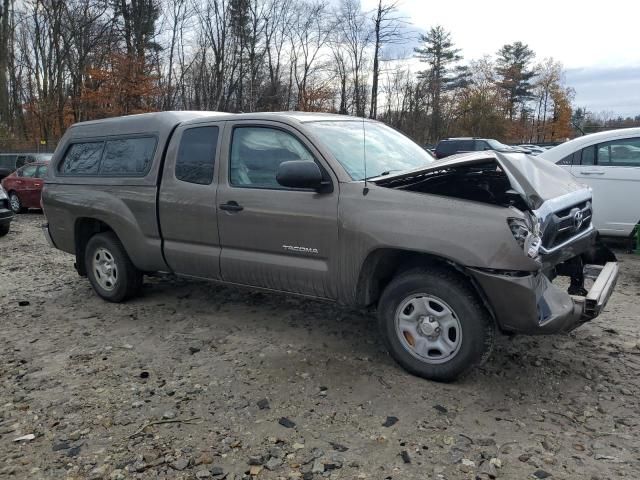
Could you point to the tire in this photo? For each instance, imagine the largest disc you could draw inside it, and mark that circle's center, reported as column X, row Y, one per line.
column 15, row 203
column 109, row 269
column 4, row 229
column 434, row 324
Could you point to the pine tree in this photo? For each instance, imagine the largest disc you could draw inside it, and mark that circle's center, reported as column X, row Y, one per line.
column 439, row 54
column 513, row 68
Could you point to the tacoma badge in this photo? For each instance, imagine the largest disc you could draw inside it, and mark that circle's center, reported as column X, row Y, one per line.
column 293, row 248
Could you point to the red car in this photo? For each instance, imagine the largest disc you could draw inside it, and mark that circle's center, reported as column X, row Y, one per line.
column 24, row 186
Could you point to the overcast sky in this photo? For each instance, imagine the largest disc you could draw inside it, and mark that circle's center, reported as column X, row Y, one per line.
column 598, row 43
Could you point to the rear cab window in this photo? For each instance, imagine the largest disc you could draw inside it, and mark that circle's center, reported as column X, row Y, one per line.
column 82, row 159
column 128, row 157
column 196, row 155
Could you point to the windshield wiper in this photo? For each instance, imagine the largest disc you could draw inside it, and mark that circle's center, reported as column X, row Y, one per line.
column 383, row 174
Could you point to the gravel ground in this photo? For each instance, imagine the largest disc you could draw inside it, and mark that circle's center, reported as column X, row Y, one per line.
column 195, row 380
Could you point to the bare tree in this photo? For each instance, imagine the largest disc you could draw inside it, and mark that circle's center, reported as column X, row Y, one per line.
column 5, row 42
column 387, row 30
column 309, row 33
column 355, row 37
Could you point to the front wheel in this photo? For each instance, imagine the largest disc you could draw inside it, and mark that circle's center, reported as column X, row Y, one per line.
column 434, row 324
column 109, row 269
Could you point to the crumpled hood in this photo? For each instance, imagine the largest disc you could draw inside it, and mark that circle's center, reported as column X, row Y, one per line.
column 536, row 180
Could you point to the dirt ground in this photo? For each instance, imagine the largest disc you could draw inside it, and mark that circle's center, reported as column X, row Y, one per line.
column 245, row 382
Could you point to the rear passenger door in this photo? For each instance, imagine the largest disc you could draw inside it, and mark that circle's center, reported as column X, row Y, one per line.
column 28, row 186
column 187, row 201
column 612, row 170
column 272, row 236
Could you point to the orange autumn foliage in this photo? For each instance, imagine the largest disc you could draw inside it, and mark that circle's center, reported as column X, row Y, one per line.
column 126, row 86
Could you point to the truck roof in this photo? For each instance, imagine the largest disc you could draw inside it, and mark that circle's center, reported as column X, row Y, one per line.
column 163, row 121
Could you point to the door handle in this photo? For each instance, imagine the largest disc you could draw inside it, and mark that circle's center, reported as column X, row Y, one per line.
column 231, row 206
column 592, row 172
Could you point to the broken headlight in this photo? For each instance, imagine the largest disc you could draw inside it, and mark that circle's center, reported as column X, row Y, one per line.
column 526, row 231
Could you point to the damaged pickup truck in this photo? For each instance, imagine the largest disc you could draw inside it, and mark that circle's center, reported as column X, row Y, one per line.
column 336, row 208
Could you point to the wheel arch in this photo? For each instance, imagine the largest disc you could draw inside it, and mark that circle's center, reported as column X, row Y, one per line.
column 384, row 264
column 84, row 229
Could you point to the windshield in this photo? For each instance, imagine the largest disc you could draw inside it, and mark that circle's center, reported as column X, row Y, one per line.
column 387, row 150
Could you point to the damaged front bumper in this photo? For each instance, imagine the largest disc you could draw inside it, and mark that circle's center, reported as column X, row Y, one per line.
column 529, row 303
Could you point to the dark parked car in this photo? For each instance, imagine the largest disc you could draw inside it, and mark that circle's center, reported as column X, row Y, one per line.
column 24, row 186
column 10, row 162
column 6, row 215
column 451, row 146
column 449, row 251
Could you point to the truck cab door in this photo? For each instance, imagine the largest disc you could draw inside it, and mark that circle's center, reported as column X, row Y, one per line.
column 272, row 236
column 187, row 201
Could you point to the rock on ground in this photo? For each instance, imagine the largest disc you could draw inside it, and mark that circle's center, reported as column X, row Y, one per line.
column 88, row 379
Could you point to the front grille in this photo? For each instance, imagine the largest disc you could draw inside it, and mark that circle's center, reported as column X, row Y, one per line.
column 566, row 223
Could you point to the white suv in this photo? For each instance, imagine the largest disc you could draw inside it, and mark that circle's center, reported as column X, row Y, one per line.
column 609, row 162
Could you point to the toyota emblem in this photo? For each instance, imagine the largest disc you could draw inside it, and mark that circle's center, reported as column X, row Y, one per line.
column 577, row 219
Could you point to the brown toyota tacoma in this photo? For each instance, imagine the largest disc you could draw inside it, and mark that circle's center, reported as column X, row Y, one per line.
column 335, row 208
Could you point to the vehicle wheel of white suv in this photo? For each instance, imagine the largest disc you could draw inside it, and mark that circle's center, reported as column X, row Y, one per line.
column 434, row 324
column 109, row 269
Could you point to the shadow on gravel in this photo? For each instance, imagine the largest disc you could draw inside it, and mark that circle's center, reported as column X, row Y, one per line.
column 514, row 362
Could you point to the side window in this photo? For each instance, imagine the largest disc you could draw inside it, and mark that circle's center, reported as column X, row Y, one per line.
column 197, row 155
column 466, row 146
column 128, row 156
column 620, row 153
column 257, row 152
column 42, row 171
column 576, row 158
column 482, row 145
column 446, row 147
column 567, row 160
column 588, row 155
column 82, row 159
column 28, row 171
column 572, row 159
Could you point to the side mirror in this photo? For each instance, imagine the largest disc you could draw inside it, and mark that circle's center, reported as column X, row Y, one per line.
column 299, row 174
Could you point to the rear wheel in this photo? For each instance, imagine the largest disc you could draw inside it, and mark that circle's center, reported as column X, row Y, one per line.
column 434, row 325
column 15, row 203
column 109, row 269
